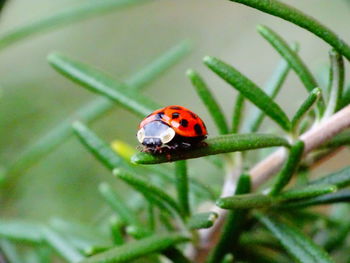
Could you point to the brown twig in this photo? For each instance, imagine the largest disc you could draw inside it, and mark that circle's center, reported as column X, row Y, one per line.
column 262, row 171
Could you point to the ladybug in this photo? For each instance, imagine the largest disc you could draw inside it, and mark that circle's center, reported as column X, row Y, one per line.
column 171, row 128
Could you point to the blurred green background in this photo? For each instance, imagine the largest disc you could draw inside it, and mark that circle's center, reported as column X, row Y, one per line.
column 34, row 98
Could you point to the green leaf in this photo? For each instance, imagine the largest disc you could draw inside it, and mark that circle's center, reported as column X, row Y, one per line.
column 291, row 14
column 77, row 232
column 10, row 252
column 117, row 204
column 202, row 220
column 345, row 100
column 336, row 83
column 299, row 246
column 92, row 111
column 146, row 186
column 181, row 182
column 137, row 249
column 245, row 201
column 137, row 232
column 308, row 191
column 289, row 55
column 209, row 101
column 93, row 250
column 272, row 88
column 216, row 145
column 340, row 178
column 98, row 147
column 100, row 83
column 61, row 246
column 66, row 17
column 248, row 201
column 21, row 231
column 303, row 110
column 232, row 227
column 116, row 227
column 249, row 90
column 338, row 140
column 289, row 168
column 338, row 197
column 237, row 113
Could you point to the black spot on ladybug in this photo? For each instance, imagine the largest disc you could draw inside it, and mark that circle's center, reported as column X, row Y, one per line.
column 198, row 129
column 194, row 116
column 175, row 115
column 184, row 123
column 176, row 108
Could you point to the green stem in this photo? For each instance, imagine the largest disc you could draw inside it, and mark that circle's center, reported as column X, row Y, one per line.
column 291, row 14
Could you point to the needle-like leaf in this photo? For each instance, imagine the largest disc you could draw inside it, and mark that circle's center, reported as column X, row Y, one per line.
column 249, row 90
column 289, row 168
column 100, row 83
column 216, row 145
column 299, row 246
column 61, row 246
column 146, row 186
column 336, row 84
column 81, row 12
column 338, row 197
column 116, row 227
column 248, row 201
column 291, row 14
column 340, row 178
column 10, row 252
column 237, row 115
column 98, row 147
column 137, row 249
column 272, row 88
column 209, row 101
column 202, row 220
column 117, row 204
column 303, row 110
column 289, row 55
column 182, row 186
column 21, row 231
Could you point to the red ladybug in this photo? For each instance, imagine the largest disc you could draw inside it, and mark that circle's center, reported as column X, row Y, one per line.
column 171, row 128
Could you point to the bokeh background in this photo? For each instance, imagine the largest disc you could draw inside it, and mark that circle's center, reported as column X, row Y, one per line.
column 34, row 98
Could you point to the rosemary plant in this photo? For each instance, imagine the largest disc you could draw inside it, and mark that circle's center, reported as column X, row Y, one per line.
column 265, row 210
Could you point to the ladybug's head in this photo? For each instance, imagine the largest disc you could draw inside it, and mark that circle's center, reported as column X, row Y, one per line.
column 155, row 133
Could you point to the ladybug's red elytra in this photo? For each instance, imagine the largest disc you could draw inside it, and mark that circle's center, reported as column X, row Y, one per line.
column 171, row 128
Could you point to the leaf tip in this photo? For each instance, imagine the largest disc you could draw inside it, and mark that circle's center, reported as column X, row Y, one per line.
column 190, row 73
column 208, row 60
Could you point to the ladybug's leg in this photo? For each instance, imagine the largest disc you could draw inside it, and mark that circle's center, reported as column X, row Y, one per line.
column 185, row 145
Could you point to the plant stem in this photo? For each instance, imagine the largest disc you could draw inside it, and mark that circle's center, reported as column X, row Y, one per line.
column 312, row 139
column 266, row 168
